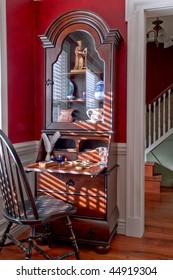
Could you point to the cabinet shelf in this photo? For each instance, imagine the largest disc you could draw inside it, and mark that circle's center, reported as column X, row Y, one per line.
column 83, row 100
column 69, row 150
column 80, row 72
column 68, row 100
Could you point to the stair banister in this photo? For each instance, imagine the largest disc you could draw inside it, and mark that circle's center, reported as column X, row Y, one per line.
column 158, row 119
column 159, row 133
column 169, row 109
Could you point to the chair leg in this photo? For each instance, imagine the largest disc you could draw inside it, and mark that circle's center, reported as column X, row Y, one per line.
column 30, row 244
column 28, row 253
column 33, row 237
column 73, row 238
column 48, row 234
column 4, row 236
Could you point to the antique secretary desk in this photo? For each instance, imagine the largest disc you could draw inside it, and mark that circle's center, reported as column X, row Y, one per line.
column 80, row 101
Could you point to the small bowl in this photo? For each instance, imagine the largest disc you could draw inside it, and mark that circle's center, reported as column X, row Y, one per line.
column 86, row 166
column 79, row 167
column 77, row 162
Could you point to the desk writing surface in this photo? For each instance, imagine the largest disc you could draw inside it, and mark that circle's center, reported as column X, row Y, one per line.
column 94, row 169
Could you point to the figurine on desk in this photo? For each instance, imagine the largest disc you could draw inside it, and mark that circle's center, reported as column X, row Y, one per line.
column 80, row 57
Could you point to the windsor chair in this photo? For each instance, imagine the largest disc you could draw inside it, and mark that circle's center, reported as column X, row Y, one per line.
column 21, row 207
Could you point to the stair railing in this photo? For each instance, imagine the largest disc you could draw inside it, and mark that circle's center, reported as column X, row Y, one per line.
column 159, row 119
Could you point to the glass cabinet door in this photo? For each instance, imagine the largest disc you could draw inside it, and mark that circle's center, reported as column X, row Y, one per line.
column 78, row 81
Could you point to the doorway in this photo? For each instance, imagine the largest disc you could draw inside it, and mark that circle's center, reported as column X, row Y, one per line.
column 137, row 12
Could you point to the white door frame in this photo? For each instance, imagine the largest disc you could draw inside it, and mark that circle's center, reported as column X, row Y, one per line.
column 136, row 13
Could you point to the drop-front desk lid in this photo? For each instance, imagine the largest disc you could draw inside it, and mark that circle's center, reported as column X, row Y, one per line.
column 92, row 170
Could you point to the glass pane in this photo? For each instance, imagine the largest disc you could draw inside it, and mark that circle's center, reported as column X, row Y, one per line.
column 78, row 76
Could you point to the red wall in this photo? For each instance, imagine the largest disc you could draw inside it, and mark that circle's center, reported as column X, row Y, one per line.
column 20, row 57
column 26, row 62
column 159, row 70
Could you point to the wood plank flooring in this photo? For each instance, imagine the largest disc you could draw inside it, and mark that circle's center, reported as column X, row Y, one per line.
column 156, row 243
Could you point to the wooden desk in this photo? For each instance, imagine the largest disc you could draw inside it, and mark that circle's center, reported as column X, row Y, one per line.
column 91, row 191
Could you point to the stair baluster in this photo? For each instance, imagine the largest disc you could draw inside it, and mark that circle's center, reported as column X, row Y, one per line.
column 158, row 119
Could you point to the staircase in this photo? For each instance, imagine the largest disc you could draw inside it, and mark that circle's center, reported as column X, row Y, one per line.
column 152, row 181
column 159, row 119
column 167, row 175
column 159, row 126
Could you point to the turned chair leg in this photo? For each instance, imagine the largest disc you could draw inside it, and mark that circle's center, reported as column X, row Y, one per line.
column 48, row 234
column 29, row 249
column 73, row 238
column 30, row 244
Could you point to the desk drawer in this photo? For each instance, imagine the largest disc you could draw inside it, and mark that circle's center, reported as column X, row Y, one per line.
column 86, row 193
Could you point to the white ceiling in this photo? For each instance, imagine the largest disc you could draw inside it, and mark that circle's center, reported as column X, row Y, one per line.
column 158, row 13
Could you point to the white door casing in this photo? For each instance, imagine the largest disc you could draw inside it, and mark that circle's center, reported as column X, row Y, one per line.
column 136, row 13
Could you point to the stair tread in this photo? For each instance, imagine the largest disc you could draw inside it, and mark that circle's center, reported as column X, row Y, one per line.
column 167, row 174
column 150, row 163
column 153, row 178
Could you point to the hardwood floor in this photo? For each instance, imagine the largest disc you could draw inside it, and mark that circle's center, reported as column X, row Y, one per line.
column 156, row 243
